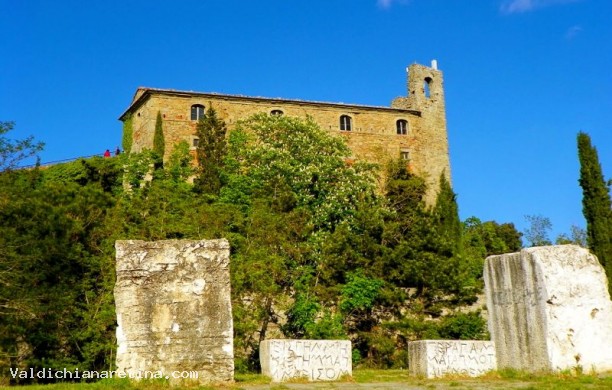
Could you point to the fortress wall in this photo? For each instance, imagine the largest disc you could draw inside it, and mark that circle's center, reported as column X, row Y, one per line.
column 373, row 137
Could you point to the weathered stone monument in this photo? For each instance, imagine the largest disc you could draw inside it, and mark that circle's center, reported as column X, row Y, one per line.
column 316, row 360
column 173, row 309
column 437, row 358
column 549, row 309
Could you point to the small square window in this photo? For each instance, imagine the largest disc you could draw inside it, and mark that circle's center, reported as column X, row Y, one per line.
column 405, row 155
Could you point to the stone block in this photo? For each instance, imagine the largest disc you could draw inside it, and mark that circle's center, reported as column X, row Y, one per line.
column 437, row 358
column 316, row 360
column 174, row 310
column 549, row 309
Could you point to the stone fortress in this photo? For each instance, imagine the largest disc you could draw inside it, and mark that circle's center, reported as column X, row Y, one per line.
column 413, row 128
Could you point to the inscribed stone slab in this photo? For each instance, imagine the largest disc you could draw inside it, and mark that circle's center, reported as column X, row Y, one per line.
column 317, row 360
column 173, row 308
column 437, row 358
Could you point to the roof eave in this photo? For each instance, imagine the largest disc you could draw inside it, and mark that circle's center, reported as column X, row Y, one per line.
column 150, row 91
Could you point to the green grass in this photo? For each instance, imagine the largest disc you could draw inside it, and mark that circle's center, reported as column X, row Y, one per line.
column 503, row 379
column 371, row 375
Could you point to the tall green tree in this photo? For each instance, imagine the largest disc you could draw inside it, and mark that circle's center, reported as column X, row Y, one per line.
column 596, row 205
column 159, row 143
column 128, row 133
column 211, row 150
column 446, row 217
column 425, row 252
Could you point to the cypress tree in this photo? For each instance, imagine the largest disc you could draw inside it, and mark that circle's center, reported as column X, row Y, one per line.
column 446, row 218
column 159, row 144
column 596, row 205
column 210, row 151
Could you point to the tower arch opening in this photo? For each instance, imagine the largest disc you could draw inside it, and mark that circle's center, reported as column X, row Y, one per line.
column 427, row 87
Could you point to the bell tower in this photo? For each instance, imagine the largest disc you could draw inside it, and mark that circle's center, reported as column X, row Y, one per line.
column 429, row 155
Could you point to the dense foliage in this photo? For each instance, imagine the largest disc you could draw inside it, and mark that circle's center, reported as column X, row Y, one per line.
column 318, row 249
column 210, row 152
column 596, row 204
column 128, row 134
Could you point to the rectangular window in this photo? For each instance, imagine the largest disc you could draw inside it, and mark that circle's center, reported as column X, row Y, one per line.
column 404, row 155
column 345, row 123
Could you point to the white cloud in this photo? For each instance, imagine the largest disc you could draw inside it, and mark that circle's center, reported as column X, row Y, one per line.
column 386, row 4
column 573, row 31
column 518, row 6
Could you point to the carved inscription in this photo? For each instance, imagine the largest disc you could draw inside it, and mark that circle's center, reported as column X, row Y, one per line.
column 436, row 358
column 509, row 296
column 317, row 360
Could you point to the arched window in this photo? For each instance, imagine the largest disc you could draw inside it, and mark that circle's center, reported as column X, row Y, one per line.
column 427, row 87
column 401, row 126
column 197, row 112
column 276, row 112
column 345, row 123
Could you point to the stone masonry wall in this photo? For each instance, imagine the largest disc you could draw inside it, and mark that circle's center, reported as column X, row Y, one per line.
column 373, row 137
column 173, row 309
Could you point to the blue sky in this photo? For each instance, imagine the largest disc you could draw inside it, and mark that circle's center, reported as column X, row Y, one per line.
column 522, row 77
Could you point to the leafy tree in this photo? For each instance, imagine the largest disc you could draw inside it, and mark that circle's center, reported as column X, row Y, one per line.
column 179, row 166
column 483, row 239
column 490, row 238
column 290, row 177
column 12, row 152
column 577, row 236
column 596, row 204
column 295, row 163
column 159, row 143
column 509, row 235
column 359, row 293
column 538, row 230
column 211, row 151
column 464, row 326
